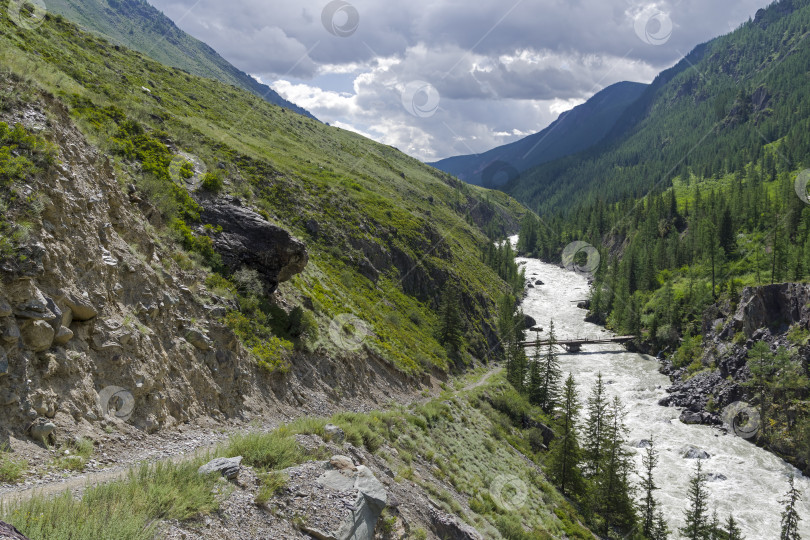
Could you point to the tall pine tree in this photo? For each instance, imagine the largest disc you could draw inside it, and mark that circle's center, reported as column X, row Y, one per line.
column 594, row 432
column 697, row 525
column 733, row 531
column 790, row 517
column 615, row 492
column 550, row 375
column 648, row 503
column 451, row 331
column 565, row 453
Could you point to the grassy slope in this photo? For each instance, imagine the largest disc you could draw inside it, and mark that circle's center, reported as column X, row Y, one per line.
column 139, row 26
column 472, row 459
column 295, row 169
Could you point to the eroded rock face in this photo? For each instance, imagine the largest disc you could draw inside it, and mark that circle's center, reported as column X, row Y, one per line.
column 449, row 527
column 343, row 500
column 249, row 240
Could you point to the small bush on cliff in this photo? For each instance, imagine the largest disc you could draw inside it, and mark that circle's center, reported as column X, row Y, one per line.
column 212, row 182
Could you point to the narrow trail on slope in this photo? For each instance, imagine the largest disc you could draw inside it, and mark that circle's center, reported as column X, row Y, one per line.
column 76, row 484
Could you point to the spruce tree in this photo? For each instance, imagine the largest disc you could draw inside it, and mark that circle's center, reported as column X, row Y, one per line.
column 660, row 530
column 697, row 515
column 451, row 332
column 594, row 432
column 715, row 532
column 565, row 453
column 648, row 503
column 733, row 531
column 790, row 517
column 615, row 493
column 550, row 374
column 535, row 381
column 511, row 332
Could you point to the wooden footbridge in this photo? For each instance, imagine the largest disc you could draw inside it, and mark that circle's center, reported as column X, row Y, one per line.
column 575, row 345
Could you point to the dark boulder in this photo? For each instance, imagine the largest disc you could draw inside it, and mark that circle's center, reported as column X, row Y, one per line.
column 529, row 322
column 249, row 240
column 9, row 532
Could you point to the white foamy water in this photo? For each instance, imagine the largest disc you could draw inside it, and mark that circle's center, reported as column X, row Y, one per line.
column 755, row 479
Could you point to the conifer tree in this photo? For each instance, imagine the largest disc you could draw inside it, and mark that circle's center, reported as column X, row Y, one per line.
column 565, row 453
column 451, row 333
column 790, row 517
column 615, row 493
column 535, row 377
column 697, row 514
column 660, row 530
column 550, row 374
column 715, row 532
column 648, row 504
column 594, row 432
column 733, row 531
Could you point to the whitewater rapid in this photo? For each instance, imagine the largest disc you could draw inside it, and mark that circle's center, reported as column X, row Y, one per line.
column 755, row 480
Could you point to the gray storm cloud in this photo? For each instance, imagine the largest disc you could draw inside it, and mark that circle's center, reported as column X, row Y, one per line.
column 500, row 68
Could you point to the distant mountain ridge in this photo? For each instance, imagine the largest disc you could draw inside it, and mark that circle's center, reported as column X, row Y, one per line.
column 573, row 131
column 138, row 25
column 715, row 112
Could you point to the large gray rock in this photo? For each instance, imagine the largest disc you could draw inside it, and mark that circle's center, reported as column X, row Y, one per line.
column 334, row 433
column 5, row 308
column 37, row 335
column 8, row 532
column 370, row 498
column 63, row 335
column 11, row 332
column 227, row 467
column 42, row 430
column 80, row 307
column 692, row 452
column 249, row 240
column 34, row 310
column 199, row 339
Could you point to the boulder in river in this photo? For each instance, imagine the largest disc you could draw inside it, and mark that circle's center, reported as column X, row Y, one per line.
column 693, row 452
column 529, row 322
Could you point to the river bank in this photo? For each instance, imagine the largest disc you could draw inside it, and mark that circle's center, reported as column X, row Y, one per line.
column 745, row 480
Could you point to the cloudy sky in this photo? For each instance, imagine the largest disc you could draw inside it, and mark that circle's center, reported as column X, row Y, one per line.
column 437, row 78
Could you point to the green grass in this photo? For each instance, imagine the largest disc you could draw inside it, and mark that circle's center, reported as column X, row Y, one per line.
column 266, row 451
column 11, row 470
column 75, row 455
column 127, row 509
column 368, row 198
column 271, row 483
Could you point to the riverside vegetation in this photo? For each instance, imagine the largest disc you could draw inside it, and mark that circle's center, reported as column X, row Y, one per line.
column 685, row 224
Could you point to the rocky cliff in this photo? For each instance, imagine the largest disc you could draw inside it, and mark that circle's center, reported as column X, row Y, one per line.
column 102, row 327
column 768, row 314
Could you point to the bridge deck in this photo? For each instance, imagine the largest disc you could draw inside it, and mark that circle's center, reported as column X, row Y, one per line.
column 573, row 345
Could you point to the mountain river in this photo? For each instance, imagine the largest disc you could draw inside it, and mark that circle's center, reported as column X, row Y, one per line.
column 744, row 480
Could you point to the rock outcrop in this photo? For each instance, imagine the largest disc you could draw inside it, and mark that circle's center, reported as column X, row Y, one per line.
column 7, row 532
column 247, row 240
column 450, row 528
column 762, row 314
column 227, row 467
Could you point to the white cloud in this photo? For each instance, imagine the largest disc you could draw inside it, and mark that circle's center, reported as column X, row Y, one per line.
column 502, row 70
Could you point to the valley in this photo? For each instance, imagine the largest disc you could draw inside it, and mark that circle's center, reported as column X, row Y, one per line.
column 221, row 317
